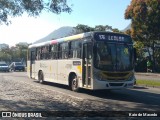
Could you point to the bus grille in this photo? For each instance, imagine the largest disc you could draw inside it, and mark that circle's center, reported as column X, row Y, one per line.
column 116, row 84
column 116, row 76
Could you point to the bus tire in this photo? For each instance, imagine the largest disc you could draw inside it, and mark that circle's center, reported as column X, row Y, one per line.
column 41, row 77
column 74, row 83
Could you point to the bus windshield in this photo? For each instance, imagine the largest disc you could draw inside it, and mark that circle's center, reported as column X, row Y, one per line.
column 113, row 56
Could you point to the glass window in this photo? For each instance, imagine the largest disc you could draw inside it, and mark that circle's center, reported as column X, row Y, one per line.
column 112, row 56
column 75, row 49
column 63, row 50
column 124, row 57
column 54, row 49
column 38, row 54
column 18, row 63
column 3, row 64
column 103, row 55
column 42, row 52
column 33, row 56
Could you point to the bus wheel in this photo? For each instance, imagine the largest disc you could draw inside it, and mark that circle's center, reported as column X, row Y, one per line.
column 41, row 77
column 74, row 83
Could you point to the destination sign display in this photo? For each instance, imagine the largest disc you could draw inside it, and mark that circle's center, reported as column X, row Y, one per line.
column 112, row 37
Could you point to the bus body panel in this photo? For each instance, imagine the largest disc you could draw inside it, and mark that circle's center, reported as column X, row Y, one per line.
column 58, row 70
column 65, row 67
column 49, row 69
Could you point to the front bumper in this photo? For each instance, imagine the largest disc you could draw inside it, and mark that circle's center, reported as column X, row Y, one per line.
column 113, row 85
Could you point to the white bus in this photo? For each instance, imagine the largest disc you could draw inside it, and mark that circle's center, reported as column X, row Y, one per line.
column 92, row 60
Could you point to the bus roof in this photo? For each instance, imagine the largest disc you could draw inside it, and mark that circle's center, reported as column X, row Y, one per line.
column 69, row 38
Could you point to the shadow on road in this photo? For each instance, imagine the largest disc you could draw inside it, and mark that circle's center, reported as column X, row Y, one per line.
column 140, row 87
column 137, row 95
column 53, row 84
column 128, row 95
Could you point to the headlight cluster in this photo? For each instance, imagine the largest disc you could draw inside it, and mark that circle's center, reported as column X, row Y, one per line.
column 97, row 76
column 131, row 78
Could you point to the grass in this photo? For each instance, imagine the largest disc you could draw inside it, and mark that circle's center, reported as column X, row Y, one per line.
column 148, row 83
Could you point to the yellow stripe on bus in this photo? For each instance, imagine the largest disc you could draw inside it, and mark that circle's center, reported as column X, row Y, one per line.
column 50, row 68
column 79, row 68
column 74, row 37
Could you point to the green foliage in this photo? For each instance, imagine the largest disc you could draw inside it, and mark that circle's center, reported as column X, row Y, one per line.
column 14, row 8
column 103, row 28
column 157, row 56
column 14, row 54
column 4, row 56
column 139, row 49
column 116, row 30
column 145, row 16
column 152, row 83
column 83, row 28
column 80, row 28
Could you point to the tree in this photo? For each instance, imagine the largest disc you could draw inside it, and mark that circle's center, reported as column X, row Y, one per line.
column 22, row 52
column 83, row 28
column 14, row 54
column 14, row 8
column 80, row 28
column 145, row 17
column 139, row 49
column 116, row 30
column 5, row 55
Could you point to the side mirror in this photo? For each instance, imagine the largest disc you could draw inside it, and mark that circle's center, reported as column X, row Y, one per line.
column 135, row 54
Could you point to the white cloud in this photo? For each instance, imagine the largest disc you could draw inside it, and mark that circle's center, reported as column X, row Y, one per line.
column 25, row 29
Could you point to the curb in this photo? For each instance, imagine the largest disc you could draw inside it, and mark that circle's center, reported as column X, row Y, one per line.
column 148, row 74
column 148, row 86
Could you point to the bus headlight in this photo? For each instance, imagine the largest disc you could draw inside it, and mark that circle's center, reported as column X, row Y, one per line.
column 132, row 77
column 97, row 76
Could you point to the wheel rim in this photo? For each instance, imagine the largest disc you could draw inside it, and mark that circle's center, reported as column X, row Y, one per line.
column 74, row 84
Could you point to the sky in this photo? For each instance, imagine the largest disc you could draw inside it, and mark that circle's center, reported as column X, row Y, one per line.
column 87, row 12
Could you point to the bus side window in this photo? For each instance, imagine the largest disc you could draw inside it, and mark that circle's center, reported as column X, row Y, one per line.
column 38, row 54
column 46, row 52
column 33, row 56
column 79, row 46
column 60, row 51
column 75, row 49
column 49, row 52
column 54, row 51
column 64, row 50
column 42, row 53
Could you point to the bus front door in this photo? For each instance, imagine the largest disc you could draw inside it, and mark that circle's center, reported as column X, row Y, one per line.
column 87, row 61
column 32, row 65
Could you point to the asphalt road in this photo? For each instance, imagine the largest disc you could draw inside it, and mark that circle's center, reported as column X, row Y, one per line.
column 136, row 99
